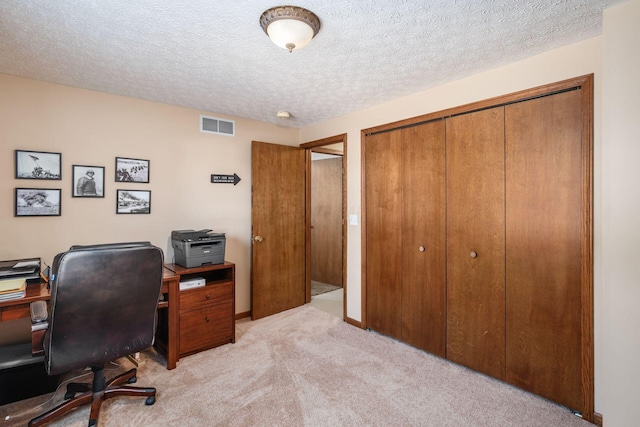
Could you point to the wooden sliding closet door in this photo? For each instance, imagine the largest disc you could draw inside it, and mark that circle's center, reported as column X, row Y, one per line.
column 383, row 194
column 424, row 237
column 475, row 241
column 545, row 219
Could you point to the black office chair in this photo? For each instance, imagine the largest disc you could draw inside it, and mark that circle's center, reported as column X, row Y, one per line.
column 103, row 306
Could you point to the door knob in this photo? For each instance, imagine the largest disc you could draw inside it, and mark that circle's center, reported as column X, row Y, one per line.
column 421, row 248
column 473, row 254
column 257, row 239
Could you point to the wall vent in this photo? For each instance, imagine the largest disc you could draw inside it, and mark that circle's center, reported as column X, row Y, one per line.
column 217, row 126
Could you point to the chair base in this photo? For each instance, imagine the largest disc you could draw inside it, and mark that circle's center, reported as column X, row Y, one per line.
column 95, row 394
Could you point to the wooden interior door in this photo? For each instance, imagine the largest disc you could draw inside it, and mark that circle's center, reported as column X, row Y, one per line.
column 545, row 219
column 383, row 196
column 423, row 279
column 278, row 228
column 326, row 221
column 475, row 241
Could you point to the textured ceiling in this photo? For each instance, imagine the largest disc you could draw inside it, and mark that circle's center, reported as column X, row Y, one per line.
column 214, row 56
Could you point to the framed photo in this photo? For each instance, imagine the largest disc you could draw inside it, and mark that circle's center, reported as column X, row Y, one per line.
column 88, row 181
column 37, row 202
column 38, row 165
column 132, row 170
column 133, row 202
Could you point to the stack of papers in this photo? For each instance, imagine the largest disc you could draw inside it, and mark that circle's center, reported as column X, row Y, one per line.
column 25, row 268
column 12, row 288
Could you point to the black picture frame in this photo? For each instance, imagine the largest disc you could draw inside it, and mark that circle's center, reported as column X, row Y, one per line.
column 38, row 202
column 133, row 202
column 38, row 165
column 88, row 181
column 132, row 170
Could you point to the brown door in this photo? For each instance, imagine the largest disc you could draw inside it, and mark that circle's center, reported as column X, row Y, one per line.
column 405, row 235
column 326, row 221
column 475, row 241
column 543, row 237
column 278, row 228
column 383, row 191
column 424, row 237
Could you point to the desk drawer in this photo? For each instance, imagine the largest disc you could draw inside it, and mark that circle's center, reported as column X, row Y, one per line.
column 206, row 327
column 17, row 311
column 209, row 294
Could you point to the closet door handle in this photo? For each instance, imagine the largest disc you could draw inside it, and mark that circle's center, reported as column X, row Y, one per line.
column 257, row 239
column 473, row 254
column 421, row 248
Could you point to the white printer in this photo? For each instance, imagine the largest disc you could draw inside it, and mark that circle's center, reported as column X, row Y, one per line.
column 197, row 248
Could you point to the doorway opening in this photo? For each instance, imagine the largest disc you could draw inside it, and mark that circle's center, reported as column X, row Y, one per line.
column 326, row 225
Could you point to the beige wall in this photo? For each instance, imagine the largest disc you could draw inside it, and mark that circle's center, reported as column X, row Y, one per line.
column 92, row 128
column 621, row 216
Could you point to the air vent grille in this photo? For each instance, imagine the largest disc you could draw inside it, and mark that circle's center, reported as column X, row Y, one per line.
column 217, row 126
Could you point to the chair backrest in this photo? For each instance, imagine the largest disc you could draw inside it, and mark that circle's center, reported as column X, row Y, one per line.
column 103, row 304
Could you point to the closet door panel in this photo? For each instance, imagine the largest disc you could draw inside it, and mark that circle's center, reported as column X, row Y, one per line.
column 475, row 241
column 424, row 237
column 383, row 193
column 543, row 241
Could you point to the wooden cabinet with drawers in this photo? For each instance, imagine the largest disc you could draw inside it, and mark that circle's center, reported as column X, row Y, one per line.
column 207, row 313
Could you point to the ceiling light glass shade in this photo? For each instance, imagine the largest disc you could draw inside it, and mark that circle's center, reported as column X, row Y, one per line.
column 290, row 27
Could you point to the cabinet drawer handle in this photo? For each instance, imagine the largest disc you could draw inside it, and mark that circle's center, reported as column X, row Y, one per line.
column 473, row 254
column 207, row 319
column 421, row 248
column 207, row 296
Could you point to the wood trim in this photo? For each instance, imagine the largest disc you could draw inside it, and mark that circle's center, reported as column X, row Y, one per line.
column 587, row 329
column 308, row 146
column 243, row 315
column 363, row 235
column 328, row 151
column 597, row 419
column 587, row 252
column 345, row 225
column 353, row 322
column 487, row 103
column 307, row 220
column 336, row 139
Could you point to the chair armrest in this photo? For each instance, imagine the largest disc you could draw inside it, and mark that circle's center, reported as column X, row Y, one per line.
column 39, row 326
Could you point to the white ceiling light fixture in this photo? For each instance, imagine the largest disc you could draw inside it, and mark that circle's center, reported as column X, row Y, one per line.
column 283, row 114
column 290, row 27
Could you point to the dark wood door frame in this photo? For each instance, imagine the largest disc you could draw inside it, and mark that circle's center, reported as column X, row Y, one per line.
column 587, row 315
column 317, row 146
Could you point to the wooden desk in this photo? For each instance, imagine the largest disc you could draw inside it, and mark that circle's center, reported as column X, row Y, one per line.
column 19, row 308
column 171, row 295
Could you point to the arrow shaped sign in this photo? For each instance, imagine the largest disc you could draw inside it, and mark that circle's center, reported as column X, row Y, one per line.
column 225, row 179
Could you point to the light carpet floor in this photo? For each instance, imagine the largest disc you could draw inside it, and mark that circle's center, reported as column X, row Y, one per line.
column 305, row 367
column 331, row 302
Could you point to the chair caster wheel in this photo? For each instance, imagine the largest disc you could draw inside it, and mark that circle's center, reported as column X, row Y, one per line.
column 150, row 400
column 132, row 380
column 69, row 395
